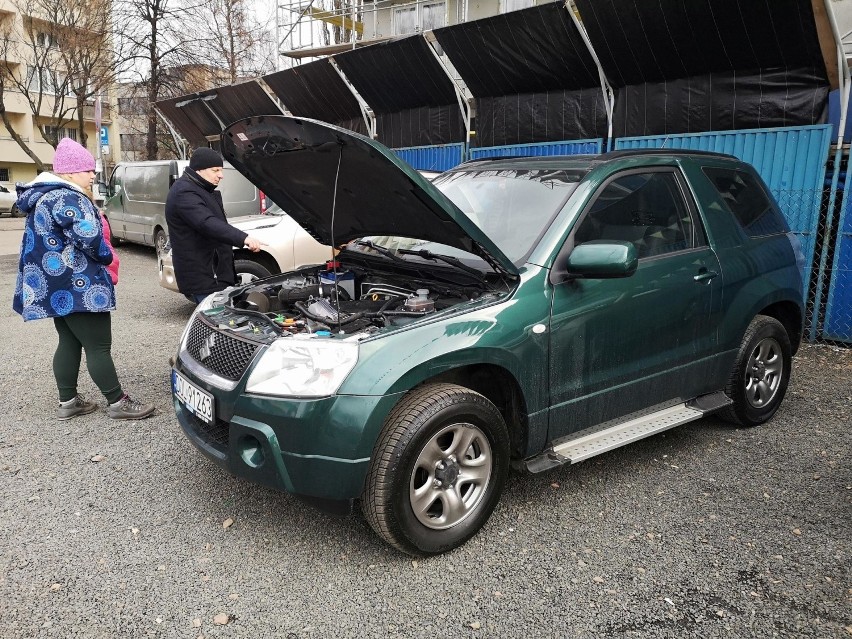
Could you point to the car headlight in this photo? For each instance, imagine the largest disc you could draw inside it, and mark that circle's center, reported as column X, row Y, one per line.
column 314, row 367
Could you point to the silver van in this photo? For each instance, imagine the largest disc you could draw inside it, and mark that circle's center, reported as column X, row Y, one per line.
column 136, row 199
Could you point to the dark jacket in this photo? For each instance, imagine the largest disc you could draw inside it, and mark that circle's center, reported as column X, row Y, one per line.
column 62, row 267
column 201, row 238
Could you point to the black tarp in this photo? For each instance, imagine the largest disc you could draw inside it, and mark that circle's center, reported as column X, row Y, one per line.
column 532, row 75
column 190, row 122
column 316, row 90
column 191, row 114
column 706, row 65
column 409, row 92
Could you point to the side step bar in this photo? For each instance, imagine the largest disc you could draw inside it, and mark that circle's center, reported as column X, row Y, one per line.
column 606, row 437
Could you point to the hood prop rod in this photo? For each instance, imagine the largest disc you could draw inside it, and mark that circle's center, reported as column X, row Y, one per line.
column 333, row 256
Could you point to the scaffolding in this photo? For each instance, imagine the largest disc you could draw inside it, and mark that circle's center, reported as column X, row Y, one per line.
column 310, row 29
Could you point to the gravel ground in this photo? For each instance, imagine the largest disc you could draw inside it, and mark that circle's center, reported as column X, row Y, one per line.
column 704, row 531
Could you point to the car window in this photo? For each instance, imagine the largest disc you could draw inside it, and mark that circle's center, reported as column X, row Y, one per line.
column 514, row 207
column 743, row 195
column 646, row 209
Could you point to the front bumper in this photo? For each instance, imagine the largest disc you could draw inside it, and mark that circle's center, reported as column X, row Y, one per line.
column 317, row 449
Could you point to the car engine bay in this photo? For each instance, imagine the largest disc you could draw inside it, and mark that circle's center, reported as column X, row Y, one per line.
column 343, row 300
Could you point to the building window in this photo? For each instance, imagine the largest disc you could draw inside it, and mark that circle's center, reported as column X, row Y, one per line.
column 422, row 16
column 60, row 132
column 433, row 15
column 46, row 40
column 5, row 176
column 513, row 5
column 404, row 20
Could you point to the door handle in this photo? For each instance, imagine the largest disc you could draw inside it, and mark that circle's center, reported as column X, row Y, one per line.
column 705, row 276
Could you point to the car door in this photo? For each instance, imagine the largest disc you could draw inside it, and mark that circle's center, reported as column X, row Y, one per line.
column 620, row 345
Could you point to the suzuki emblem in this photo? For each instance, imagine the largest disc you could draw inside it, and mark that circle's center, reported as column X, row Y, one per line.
column 207, row 346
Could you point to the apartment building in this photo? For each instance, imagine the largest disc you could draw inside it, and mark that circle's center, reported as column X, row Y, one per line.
column 36, row 93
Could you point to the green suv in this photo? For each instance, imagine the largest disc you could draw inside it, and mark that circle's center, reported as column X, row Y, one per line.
column 525, row 312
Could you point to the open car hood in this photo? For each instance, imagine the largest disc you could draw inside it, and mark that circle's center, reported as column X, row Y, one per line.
column 296, row 162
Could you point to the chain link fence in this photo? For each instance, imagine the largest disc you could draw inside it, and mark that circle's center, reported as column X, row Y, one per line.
column 823, row 223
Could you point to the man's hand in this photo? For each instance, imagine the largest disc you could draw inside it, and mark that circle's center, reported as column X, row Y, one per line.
column 253, row 244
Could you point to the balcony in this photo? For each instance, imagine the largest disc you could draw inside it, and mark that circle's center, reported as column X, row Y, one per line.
column 106, row 112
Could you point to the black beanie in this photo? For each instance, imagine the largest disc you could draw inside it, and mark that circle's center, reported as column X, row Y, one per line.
column 204, row 158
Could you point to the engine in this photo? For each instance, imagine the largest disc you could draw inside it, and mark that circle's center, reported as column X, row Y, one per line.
column 344, row 301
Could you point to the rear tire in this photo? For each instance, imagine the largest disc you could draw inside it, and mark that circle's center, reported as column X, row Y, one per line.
column 437, row 470
column 248, row 271
column 16, row 212
column 761, row 373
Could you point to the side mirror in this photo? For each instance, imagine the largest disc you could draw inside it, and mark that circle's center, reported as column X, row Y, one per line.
column 602, row 259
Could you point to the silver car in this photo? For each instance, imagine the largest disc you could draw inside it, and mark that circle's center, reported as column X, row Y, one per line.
column 8, row 196
column 287, row 247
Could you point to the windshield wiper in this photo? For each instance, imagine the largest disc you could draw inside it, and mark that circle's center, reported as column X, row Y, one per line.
column 429, row 255
column 380, row 249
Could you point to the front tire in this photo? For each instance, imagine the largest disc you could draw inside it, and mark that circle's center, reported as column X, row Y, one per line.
column 16, row 212
column 761, row 373
column 437, row 470
column 160, row 241
column 248, row 271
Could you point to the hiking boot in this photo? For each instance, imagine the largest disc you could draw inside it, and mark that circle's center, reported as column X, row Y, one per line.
column 73, row 407
column 126, row 408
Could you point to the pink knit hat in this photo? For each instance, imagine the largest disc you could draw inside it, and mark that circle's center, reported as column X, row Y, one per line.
column 72, row 157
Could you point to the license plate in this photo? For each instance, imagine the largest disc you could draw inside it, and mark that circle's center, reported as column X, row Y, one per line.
column 195, row 400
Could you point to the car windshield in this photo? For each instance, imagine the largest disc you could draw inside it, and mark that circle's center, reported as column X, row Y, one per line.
column 514, row 207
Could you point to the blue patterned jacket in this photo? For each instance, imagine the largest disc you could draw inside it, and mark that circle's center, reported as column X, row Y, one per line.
column 63, row 261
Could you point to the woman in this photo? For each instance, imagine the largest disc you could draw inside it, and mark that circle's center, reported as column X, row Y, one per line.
column 62, row 274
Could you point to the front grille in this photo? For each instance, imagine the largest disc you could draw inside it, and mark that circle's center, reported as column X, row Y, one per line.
column 215, row 435
column 226, row 355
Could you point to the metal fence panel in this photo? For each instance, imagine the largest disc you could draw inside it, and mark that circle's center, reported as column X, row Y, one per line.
column 573, row 147
column 838, row 311
column 441, row 157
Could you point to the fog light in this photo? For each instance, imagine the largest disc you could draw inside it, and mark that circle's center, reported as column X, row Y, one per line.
column 251, row 451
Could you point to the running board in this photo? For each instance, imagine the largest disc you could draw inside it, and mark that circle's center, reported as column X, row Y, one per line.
column 606, row 437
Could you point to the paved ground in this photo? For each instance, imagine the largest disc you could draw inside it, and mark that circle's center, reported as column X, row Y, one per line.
column 705, row 531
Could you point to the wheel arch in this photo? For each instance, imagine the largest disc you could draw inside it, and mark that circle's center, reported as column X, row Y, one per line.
column 499, row 386
column 262, row 257
column 790, row 315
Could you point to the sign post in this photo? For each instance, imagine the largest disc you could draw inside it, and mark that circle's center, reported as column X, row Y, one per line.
column 100, row 132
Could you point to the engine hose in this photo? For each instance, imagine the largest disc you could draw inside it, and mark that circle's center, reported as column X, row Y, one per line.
column 349, row 318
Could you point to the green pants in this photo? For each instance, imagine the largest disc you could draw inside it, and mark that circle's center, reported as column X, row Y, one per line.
column 91, row 332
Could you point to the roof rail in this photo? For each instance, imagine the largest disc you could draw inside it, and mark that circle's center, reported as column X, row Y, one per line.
column 624, row 153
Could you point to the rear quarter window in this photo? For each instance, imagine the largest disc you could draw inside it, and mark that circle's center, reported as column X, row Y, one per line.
column 747, row 200
column 236, row 189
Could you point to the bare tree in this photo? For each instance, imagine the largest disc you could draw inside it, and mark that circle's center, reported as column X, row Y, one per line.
column 91, row 52
column 159, row 37
column 31, row 65
column 236, row 41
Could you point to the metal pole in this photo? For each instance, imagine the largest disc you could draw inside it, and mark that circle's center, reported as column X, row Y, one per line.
column 366, row 111
column 606, row 88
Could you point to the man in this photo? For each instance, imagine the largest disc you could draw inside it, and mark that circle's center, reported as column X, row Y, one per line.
column 201, row 238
